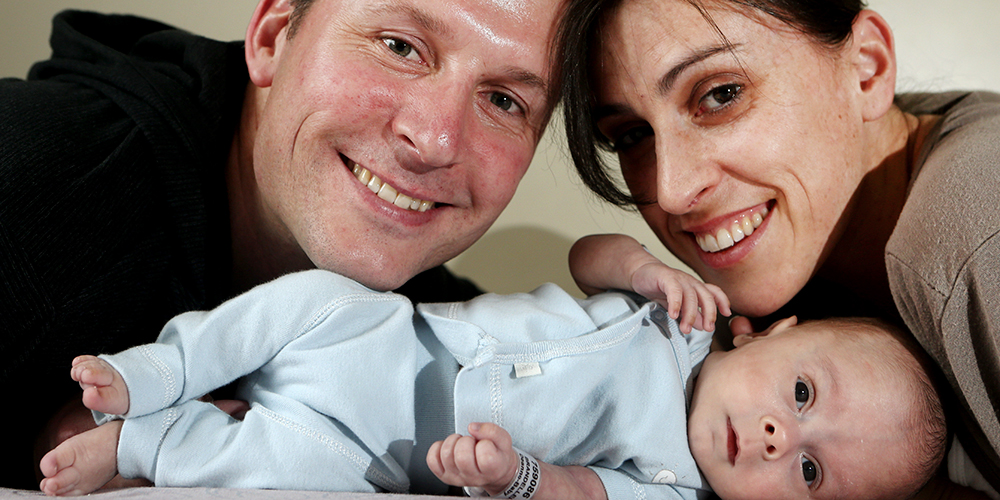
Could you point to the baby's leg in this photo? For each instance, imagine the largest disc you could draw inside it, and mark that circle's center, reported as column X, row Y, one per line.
column 104, row 389
column 82, row 463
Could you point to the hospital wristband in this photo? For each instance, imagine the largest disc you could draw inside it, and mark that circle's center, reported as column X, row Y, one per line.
column 525, row 481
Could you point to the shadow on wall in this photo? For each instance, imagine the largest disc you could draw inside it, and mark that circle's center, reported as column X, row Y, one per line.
column 517, row 259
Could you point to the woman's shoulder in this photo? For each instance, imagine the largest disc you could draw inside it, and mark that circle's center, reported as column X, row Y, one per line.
column 960, row 155
column 940, row 103
column 953, row 204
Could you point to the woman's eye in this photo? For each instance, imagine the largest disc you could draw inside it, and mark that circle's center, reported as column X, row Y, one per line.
column 801, row 394
column 400, row 48
column 504, row 102
column 809, row 471
column 718, row 98
column 631, row 137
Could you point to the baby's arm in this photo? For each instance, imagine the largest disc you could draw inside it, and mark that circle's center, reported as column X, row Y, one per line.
column 616, row 261
column 486, row 459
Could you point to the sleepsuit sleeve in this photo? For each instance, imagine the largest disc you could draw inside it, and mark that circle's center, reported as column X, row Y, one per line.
column 200, row 351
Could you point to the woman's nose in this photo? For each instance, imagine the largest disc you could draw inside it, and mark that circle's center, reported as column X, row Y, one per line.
column 683, row 175
column 779, row 438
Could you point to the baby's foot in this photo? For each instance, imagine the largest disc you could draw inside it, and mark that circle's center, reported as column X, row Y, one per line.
column 82, row 463
column 104, row 389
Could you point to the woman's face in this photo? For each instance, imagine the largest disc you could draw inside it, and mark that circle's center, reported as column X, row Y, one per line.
column 751, row 151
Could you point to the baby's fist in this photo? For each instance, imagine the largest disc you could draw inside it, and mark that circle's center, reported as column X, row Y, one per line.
column 485, row 458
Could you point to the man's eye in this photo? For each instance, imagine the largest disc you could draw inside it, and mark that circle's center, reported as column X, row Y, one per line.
column 504, row 102
column 801, row 394
column 400, row 48
column 809, row 471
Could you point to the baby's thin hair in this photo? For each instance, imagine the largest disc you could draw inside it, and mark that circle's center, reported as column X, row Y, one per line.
column 927, row 415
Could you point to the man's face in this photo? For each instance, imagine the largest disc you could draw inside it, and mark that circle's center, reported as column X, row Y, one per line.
column 801, row 413
column 395, row 131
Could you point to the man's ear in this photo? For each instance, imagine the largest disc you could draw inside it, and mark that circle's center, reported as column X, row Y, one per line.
column 265, row 39
column 777, row 328
column 872, row 50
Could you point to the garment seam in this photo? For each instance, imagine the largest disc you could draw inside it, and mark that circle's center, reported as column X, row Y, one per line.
column 166, row 376
column 332, row 444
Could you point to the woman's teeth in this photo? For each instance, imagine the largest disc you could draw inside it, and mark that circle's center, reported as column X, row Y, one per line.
column 728, row 236
column 387, row 192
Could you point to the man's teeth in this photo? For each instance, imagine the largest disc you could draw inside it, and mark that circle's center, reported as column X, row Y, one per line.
column 387, row 192
column 727, row 237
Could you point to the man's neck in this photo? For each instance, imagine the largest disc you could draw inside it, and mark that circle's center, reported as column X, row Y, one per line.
column 262, row 249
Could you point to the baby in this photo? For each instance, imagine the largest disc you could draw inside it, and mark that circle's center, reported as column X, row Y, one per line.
column 605, row 397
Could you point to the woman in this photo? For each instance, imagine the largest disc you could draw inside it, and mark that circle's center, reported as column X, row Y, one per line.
column 763, row 144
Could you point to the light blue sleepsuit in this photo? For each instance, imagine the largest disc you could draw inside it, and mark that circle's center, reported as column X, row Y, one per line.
column 348, row 387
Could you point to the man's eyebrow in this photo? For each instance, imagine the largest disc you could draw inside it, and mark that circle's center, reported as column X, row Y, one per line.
column 527, row 78
column 422, row 18
column 437, row 25
column 666, row 82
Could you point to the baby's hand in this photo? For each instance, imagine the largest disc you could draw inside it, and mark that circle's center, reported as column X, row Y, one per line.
column 484, row 459
column 688, row 300
column 104, row 389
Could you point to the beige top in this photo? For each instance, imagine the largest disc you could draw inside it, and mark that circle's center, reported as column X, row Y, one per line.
column 943, row 261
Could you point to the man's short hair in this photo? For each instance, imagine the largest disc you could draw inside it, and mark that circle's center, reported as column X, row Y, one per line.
column 299, row 9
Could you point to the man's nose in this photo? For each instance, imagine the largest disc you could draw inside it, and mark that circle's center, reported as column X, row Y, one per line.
column 779, row 437
column 431, row 125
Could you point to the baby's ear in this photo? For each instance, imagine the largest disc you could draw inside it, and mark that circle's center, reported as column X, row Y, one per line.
column 777, row 328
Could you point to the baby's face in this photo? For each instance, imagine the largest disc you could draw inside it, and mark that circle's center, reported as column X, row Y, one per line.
column 798, row 414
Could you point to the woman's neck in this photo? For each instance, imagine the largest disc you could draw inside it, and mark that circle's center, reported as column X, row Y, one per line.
column 857, row 261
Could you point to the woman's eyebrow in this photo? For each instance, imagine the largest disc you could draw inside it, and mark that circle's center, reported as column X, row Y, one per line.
column 607, row 110
column 666, row 82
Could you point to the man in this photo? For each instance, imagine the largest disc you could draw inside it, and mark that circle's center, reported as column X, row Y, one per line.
column 144, row 175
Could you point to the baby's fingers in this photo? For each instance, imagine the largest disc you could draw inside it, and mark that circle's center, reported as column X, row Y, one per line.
column 494, row 452
column 720, row 299
column 434, row 459
column 690, row 313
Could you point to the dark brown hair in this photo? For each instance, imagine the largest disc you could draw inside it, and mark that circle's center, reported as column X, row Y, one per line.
column 828, row 22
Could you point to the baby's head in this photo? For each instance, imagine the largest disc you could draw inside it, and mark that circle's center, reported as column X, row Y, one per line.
column 839, row 408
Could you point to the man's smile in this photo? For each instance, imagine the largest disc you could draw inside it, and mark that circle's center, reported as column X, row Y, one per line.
column 384, row 190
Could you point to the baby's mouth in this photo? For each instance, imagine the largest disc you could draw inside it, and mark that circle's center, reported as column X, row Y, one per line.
column 384, row 190
column 732, row 443
column 731, row 234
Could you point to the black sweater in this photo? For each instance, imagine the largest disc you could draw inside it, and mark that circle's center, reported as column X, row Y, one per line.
column 113, row 208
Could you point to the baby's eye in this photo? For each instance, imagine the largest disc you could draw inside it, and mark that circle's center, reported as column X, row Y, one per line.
column 801, row 394
column 401, row 48
column 809, row 471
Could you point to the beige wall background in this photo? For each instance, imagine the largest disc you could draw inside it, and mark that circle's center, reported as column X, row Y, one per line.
column 941, row 45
